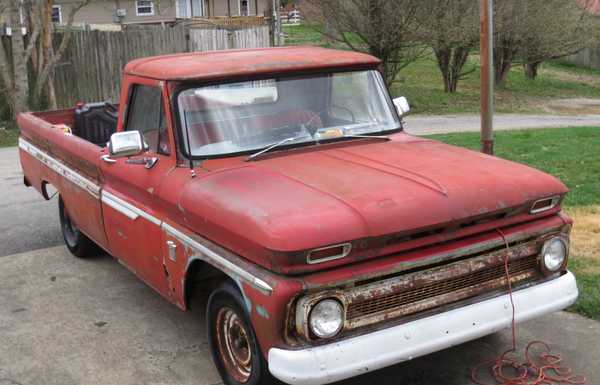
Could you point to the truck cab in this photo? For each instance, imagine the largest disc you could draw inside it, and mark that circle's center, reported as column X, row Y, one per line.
column 282, row 180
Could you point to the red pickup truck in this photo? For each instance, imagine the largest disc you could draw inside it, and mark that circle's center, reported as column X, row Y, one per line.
column 333, row 242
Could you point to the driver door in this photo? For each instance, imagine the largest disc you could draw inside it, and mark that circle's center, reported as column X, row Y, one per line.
column 131, row 207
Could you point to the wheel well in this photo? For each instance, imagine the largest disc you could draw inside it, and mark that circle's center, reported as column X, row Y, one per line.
column 44, row 190
column 200, row 279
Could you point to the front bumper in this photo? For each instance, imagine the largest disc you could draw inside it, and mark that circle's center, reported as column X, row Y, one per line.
column 369, row 352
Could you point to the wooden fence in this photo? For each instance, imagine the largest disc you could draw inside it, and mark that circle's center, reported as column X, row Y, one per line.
column 91, row 67
column 211, row 39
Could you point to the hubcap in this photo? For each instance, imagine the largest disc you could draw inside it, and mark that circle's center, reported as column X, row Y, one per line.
column 234, row 345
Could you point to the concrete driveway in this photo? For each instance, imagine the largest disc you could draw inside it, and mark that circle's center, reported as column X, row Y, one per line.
column 68, row 321
column 27, row 221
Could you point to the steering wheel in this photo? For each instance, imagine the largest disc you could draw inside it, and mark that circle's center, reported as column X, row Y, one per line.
column 347, row 109
column 318, row 115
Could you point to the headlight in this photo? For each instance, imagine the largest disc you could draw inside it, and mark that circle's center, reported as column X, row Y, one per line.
column 554, row 254
column 327, row 318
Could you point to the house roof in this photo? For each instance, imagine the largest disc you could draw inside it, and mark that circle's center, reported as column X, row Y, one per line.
column 216, row 65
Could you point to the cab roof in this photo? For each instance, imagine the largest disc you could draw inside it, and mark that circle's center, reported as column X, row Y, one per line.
column 218, row 65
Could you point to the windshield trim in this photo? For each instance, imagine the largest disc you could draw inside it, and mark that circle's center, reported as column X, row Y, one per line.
column 181, row 147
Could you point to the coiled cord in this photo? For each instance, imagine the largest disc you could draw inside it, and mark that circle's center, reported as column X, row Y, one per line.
column 543, row 368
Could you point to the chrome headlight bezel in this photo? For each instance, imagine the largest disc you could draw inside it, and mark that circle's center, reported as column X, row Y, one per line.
column 551, row 268
column 304, row 312
column 340, row 318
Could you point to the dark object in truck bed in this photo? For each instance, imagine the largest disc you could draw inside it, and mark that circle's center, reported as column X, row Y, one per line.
column 95, row 122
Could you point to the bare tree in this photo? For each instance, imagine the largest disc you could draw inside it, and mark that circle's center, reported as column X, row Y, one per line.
column 35, row 17
column 509, row 24
column 13, row 64
column 387, row 29
column 556, row 29
column 532, row 31
column 50, row 56
column 452, row 31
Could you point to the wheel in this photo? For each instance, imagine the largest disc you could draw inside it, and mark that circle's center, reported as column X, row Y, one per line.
column 234, row 348
column 78, row 244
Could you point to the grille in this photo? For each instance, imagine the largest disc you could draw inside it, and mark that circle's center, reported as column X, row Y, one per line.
column 444, row 291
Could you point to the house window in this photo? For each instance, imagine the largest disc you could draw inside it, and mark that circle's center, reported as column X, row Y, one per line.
column 189, row 8
column 244, row 8
column 56, row 14
column 182, row 9
column 144, row 8
column 197, row 8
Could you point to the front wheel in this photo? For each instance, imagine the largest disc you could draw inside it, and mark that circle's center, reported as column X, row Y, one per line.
column 78, row 244
column 234, row 348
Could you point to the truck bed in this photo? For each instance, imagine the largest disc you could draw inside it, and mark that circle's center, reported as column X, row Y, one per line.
column 52, row 153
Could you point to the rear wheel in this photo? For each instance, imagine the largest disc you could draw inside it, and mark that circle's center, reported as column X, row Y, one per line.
column 78, row 244
column 233, row 344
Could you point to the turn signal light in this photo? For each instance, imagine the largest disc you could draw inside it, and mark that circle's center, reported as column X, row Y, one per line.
column 544, row 205
column 329, row 253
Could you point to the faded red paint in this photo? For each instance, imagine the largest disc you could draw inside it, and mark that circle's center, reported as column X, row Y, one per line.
column 403, row 204
column 244, row 63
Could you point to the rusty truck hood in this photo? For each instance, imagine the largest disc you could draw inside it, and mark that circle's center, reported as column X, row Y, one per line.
column 304, row 199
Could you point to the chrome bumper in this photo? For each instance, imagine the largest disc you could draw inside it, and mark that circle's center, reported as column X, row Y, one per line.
column 369, row 352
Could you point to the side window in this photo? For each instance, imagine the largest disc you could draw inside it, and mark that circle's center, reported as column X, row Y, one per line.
column 146, row 115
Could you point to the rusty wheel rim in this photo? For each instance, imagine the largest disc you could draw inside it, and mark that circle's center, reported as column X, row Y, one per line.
column 234, row 345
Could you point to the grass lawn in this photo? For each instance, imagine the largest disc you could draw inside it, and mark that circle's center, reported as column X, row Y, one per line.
column 421, row 83
column 8, row 137
column 572, row 154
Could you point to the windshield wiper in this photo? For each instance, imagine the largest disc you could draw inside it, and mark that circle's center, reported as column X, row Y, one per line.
column 367, row 136
column 294, row 138
column 273, row 146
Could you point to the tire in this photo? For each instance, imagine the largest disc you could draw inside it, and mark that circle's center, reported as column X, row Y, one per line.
column 78, row 244
column 233, row 344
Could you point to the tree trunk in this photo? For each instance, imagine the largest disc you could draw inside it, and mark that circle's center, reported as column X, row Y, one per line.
column 503, row 58
column 443, row 60
column 451, row 62
column 328, row 33
column 531, row 70
column 50, row 55
column 20, row 94
column 52, row 102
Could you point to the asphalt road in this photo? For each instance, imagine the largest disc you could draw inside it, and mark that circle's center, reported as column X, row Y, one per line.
column 442, row 124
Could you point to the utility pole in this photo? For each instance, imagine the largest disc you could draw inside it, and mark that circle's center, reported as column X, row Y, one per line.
column 276, row 23
column 487, row 78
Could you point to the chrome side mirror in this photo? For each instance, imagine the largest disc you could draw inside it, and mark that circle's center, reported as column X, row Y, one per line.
column 127, row 143
column 402, row 105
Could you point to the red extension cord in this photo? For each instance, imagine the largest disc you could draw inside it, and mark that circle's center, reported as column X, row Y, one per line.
column 543, row 368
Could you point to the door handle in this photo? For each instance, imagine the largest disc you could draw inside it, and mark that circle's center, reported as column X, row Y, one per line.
column 147, row 162
column 108, row 159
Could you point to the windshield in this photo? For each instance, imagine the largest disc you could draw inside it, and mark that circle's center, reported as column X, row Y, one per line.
column 250, row 116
